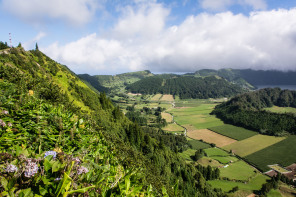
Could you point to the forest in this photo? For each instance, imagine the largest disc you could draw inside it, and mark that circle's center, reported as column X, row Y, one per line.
column 186, row 87
column 247, row 110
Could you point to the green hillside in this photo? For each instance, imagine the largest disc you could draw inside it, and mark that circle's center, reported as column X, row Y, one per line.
column 186, row 87
column 58, row 137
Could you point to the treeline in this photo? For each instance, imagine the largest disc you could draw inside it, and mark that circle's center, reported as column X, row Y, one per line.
column 186, row 87
column 3, row 45
column 247, row 110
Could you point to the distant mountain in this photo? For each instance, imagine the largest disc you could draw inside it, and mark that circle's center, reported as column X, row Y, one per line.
column 115, row 83
column 249, row 78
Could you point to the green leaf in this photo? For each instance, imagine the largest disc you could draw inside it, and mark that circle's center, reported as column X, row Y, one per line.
column 42, row 191
column 4, row 183
column 47, row 164
column 56, row 166
column 26, row 193
column 82, row 190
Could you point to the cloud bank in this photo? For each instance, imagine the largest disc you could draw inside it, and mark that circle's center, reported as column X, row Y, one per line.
column 141, row 40
column 75, row 12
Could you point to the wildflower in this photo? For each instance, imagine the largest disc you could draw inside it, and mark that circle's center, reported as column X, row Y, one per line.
column 58, row 179
column 76, row 159
column 31, row 92
column 81, row 126
column 5, row 112
column 31, row 168
column 81, row 170
column 9, row 124
column 53, row 153
column 3, row 124
column 11, row 168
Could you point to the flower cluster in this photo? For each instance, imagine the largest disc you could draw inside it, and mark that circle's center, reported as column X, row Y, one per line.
column 53, row 153
column 76, row 159
column 5, row 112
column 31, row 168
column 3, row 124
column 11, row 168
column 81, row 170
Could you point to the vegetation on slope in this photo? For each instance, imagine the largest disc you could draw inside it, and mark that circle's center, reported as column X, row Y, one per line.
column 247, row 110
column 185, row 87
column 97, row 150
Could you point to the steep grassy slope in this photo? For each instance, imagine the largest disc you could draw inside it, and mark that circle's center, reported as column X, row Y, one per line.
column 94, row 148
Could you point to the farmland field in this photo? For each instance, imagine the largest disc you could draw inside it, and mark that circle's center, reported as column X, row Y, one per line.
column 168, row 117
column 196, row 144
column 210, row 137
column 215, row 152
column 281, row 110
column 167, row 97
column 239, row 170
column 252, row 144
column 282, row 153
column 156, row 97
column 254, row 184
column 174, row 128
column 220, row 155
column 234, row 132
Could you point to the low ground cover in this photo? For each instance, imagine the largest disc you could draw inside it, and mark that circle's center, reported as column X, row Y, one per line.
column 281, row 110
column 156, row 97
column 196, row 144
column 239, row 170
column 234, row 132
column 167, row 97
column 174, row 128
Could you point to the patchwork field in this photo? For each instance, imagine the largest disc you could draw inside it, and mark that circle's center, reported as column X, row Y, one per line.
column 254, row 184
column 168, row 117
column 252, row 144
column 209, row 137
column 220, row 155
column 174, row 128
column 234, row 132
column 196, row 144
column 167, row 97
column 156, row 97
column 282, row 153
column 239, row 170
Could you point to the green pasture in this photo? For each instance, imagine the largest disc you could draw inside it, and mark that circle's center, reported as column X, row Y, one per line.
column 254, row 184
column 252, row 144
column 225, row 159
column 239, row 170
column 196, row 144
column 282, row 153
column 199, row 116
column 281, row 110
column 174, row 128
column 274, row 193
column 234, row 132
column 156, row 97
column 215, row 152
column 206, row 161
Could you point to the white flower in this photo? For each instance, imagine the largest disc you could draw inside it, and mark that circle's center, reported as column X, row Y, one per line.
column 11, row 168
column 31, row 168
column 53, row 153
column 81, row 170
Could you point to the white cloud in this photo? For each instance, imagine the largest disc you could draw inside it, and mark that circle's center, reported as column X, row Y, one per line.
column 262, row 40
column 76, row 12
column 29, row 44
column 220, row 5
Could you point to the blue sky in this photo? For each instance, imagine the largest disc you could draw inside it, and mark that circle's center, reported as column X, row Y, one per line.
column 110, row 37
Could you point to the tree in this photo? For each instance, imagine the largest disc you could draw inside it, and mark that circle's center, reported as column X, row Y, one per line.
column 36, row 47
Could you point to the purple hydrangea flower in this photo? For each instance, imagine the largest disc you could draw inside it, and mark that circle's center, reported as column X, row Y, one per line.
column 9, row 124
column 5, row 112
column 3, row 124
column 76, row 159
column 53, row 153
column 31, row 169
column 81, row 170
column 11, row 168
